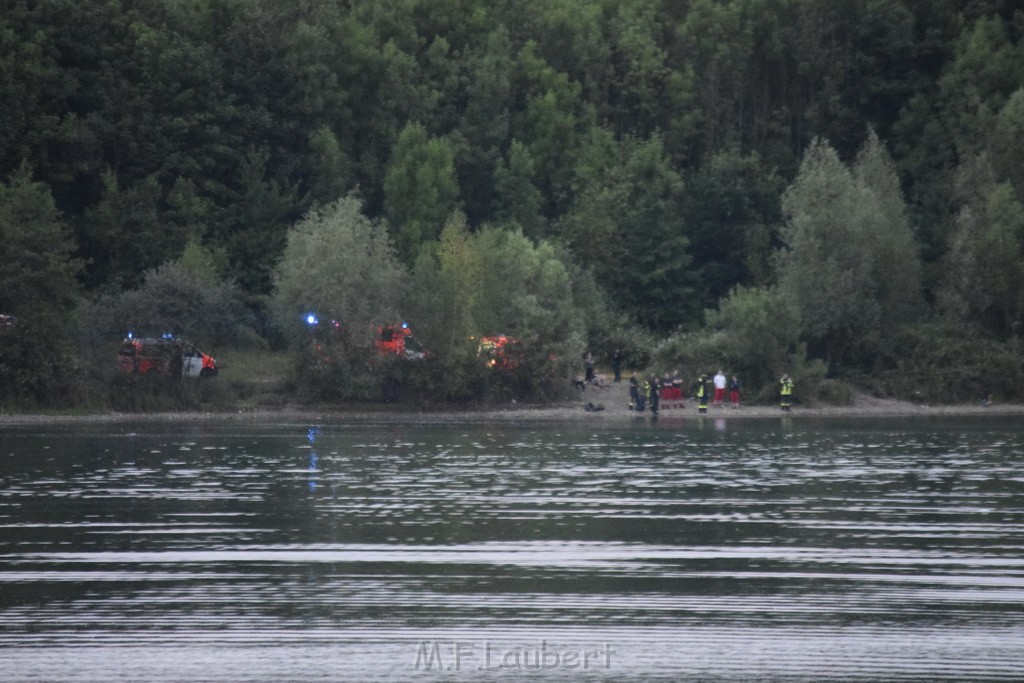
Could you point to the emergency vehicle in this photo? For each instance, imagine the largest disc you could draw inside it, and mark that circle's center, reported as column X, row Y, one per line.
column 390, row 340
column 398, row 340
column 165, row 356
column 500, row 351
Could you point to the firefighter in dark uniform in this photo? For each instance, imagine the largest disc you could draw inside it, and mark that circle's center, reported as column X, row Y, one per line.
column 634, row 393
column 641, row 397
column 654, row 393
column 702, row 393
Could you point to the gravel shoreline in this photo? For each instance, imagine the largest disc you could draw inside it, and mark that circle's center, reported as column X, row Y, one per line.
column 613, row 402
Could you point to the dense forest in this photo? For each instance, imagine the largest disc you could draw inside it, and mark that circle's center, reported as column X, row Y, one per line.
column 832, row 188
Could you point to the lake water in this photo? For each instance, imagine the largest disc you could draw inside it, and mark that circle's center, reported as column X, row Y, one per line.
column 703, row 550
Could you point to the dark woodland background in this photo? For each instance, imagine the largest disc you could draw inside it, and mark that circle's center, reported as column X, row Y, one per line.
column 832, row 188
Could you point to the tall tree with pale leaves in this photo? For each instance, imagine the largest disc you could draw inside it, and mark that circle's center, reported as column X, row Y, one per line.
column 849, row 263
column 341, row 266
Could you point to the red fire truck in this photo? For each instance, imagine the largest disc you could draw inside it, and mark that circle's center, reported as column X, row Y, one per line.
column 165, row 356
column 390, row 340
column 500, row 351
column 398, row 340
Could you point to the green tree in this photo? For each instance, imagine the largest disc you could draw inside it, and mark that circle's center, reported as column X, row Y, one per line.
column 496, row 281
column 1002, row 255
column 420, row 190
column 985, row 263
column 976, row 85
column 38, row 286
column 627, row 224
column 331, row 165
column 30, row 87
column 733, row 214
column 253, row 223
column 500, row 282
column 897, row 260
column 199, row 263
column 822, row 268
column 716, row 41
column 1006, row 141
column 340, row 265
column 591, row 224
column 953, row 120
column 568, row 36
column 516, row 198
column 845, row 233
column 173, row 299
column 755, row 333
column 550, row 120
column 759, row 334
column 187, row 209
column 125, row 234
column 446, row 285
column 862, row 65
column 633, row 99
column 525, row 291
column 483, row 126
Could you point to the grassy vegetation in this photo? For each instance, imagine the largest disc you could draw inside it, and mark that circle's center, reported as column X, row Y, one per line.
column 250, row 379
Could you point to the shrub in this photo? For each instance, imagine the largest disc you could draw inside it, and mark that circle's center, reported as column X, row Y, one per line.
column 171, row 300
column 753, row 335
column 944, row 362
column 494, row 282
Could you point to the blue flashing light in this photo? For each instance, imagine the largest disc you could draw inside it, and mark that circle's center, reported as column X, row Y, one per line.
column 312, row 320
column 131, row 335
column 405, row 325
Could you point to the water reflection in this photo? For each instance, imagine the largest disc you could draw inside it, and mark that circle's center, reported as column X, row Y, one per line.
column 680, row 549
column 313, row 458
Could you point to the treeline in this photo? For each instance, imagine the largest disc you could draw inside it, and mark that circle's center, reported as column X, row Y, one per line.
column 830, row 187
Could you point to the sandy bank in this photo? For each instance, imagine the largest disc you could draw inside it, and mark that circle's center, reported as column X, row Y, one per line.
column 614, row 401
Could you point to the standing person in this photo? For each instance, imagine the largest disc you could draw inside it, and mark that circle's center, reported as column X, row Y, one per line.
column 734, row 391
column 785, row 391
column 654, row 393
column 588, row 367
column 617, row 364
column 634, row 394
column 676, row 384
column 702, row 394
column 641, row 401
column 719, row 388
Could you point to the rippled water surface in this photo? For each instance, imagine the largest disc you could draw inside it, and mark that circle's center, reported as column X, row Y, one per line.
column 754, row 550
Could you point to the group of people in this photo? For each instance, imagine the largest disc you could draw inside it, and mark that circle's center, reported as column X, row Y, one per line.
column 707, row 390
column 718, row 385
column 654, row 389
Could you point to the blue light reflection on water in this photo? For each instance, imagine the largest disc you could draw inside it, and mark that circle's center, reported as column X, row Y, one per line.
column 686, row 550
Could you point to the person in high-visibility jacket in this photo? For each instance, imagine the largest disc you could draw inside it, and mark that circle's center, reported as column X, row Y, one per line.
column 702, row 394
column 785, row 392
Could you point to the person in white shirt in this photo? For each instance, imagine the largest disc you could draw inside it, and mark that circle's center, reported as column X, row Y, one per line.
column 720, row 381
